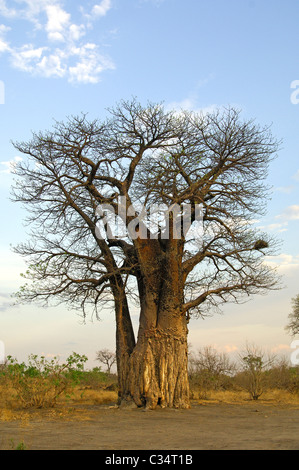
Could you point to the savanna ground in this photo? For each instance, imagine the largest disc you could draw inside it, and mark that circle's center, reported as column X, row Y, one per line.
column 91, row 420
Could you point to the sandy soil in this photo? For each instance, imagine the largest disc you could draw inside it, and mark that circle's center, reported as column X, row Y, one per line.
column 250, row 426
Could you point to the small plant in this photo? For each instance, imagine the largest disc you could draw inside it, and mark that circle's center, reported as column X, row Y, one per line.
column 40, row 382
column 254, row 367
column 20, row 446
column 254, row 364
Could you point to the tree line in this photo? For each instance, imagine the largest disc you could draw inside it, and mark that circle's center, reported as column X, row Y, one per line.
column 254, row 370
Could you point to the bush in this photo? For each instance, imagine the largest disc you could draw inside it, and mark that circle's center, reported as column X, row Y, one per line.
column 210, row 370
column 95, row 378
column 256, row 365
column 283, row 377
column 42, row 381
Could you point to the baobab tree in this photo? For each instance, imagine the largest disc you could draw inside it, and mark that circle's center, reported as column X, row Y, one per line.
column 205, row 177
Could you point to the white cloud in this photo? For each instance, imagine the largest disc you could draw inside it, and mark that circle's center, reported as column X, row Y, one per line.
column 89, row 66
column 9, row 166
column 185, row 105
column 5, row 11
column 282, row 220
column 58, row 21
column 89, row 63
column 51, row 66
column 28, row 10
column 281, row 348
column 4, row 29
column 285, row 189
column 277, row 227
column 290, row 213
column 4, row 45
column 63, row 53
column 102, row 8
column 284, row 262
column 229, row 348
column 76, row 31
column 26, row 57
column 189, row 104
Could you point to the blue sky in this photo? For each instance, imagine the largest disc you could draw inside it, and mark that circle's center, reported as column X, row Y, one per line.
column 59, row 58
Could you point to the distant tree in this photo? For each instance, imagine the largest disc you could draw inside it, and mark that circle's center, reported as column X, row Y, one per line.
column 293, row 325
column 106, row 357
column 73, row 177
column 254, row 362
column 210, row 369
column 212, row 361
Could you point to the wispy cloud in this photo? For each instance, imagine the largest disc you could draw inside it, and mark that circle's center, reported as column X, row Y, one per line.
column 102, row 8
column 284, row 262
column 193, row 99
column 281, row 221
column 296, row 176
column 276, row 227
column 5, row 302
column 62, row 48
column 4, row 45
column 290, row 213
column 280, row 348
column 9, row 166
column 58, row 22
column 6, row 11
column 190, row 104
column 285, row 189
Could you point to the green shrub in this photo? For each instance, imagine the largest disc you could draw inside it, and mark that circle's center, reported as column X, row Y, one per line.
column 95, row 378
column 40, row 382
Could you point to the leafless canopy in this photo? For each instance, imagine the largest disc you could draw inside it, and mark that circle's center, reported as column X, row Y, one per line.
column 148, row 156
column 106, row 357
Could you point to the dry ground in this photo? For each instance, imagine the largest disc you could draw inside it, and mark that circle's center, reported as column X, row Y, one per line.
column 224, row 422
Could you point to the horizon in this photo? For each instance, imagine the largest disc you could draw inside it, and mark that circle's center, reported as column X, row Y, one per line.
column 63, row 58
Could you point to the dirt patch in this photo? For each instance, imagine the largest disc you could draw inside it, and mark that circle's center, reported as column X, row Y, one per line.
column 210, row 426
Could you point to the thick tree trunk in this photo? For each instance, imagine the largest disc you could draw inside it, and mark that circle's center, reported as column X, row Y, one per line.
column 158, row 371
column 125, row 339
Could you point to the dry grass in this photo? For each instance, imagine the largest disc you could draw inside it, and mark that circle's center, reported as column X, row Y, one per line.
column 78, row 405
column 273, row 396
column 91, row 397
column 75, row 406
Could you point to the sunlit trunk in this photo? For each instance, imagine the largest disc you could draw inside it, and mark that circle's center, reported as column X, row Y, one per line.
column 158, row 366
column 125, row 341
column 158, row 373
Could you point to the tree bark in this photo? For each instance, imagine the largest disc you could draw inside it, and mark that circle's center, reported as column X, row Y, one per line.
column 158, row 371
column 125, row 338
